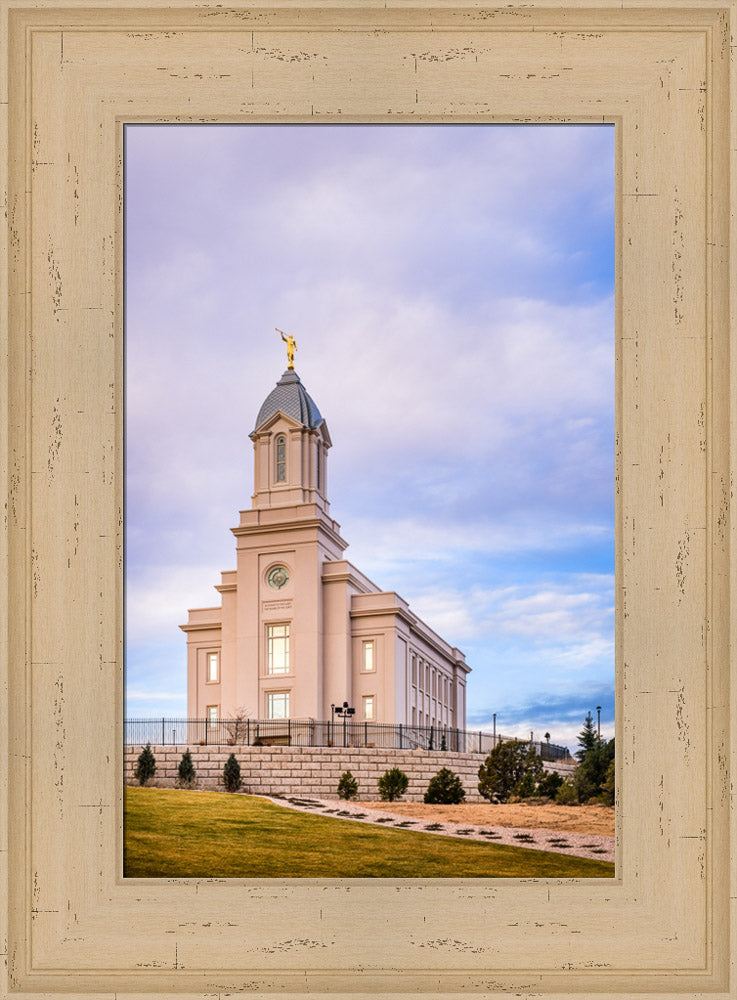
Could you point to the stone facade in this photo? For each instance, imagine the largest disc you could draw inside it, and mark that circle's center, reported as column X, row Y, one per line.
column 299, row 628
column 315, row 771
column 311, row 771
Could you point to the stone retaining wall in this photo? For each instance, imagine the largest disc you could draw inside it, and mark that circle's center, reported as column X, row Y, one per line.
column 312, row 771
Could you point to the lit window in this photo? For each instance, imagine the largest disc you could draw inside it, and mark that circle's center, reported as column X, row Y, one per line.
column 368, row 707
column 368, row 655
column 212, row 666
column 212, row 713
column 277, row 705
column 281, row 459
column 277, row 642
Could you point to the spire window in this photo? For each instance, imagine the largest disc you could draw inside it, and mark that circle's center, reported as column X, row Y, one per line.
column 281, row 459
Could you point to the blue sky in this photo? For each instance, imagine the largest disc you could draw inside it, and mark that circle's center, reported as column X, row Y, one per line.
column 451, row 290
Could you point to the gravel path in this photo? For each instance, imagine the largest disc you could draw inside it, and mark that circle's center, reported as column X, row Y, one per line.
column 583, row 845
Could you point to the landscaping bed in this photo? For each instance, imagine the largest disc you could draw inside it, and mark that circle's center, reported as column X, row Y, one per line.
column 594, row 819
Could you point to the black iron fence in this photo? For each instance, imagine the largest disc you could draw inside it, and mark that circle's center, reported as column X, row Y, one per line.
column 312, row 733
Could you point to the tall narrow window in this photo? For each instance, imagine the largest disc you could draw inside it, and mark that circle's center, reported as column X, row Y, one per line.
column 368, row 655
column 318, row 469
column 212, row 667
column 277, row 705
column 212, row 713
column 277, row 649
column 281, row 459
column 368, row 707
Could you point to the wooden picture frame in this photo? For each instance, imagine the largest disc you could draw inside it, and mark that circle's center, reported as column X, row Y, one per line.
column 661, row 73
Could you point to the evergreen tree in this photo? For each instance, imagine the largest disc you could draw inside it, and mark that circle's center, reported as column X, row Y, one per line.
column 187, row 772
column 587, row 738
column 607, row 788
column 392, row 784
column 445, row 788
column 508, row 770
column 591, row 774
column 566, row 795
column 232, row 774
column 146, row 765
column 549, row 784
column 347, row 786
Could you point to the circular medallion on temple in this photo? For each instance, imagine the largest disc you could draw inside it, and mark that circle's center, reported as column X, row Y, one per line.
column 278, row 578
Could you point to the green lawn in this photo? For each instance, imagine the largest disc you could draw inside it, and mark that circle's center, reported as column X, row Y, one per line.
column 172, row 833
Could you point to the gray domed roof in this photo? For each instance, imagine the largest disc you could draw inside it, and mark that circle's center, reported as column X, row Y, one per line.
column 291, row 398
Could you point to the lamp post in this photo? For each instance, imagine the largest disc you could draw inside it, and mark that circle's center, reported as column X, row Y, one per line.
column 598, row 720
column 332, row 724
column 344, row 713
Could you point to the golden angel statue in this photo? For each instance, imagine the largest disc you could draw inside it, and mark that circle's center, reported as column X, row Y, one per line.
column 291, row 346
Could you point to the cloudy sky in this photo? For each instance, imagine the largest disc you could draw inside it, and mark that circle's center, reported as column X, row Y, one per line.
column 451, row 292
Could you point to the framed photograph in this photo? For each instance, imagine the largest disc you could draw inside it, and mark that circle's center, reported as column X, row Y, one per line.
column 661, row 76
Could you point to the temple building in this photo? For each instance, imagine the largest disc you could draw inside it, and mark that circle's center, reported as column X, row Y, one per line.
column 299, row 628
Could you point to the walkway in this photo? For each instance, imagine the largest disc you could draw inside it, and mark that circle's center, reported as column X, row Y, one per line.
column 581, row 845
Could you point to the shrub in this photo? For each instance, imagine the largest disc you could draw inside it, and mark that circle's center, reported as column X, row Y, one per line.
column 187, row 773
column 392, row 784
column 590, row 776
column 445, row 788
column 237, row 725
column 347, row 786
column 232, row 774
column 525, row 787
column 512, row 768
column 566, row 795
column 549, row 784
column 146, row 765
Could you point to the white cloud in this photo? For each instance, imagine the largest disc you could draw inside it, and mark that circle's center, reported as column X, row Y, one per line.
column 157, row 599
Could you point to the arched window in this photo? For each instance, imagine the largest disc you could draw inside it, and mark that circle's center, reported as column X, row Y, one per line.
column 281, row 459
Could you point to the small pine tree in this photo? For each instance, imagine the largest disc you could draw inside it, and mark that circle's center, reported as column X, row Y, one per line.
column 566, row 795
column 525, row 787
column 590, row 775
column 445, row 788
column 187, row 773
column 549, row 784
column 146, row 765
column 232, row 774
column 430, row 745
column 512, row 768
column 392, row 784
column 587, row 738
column 443, row 742
column 347, row 786
column 608, row 787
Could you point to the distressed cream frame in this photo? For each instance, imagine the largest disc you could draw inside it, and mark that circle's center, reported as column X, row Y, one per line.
column 661, row 73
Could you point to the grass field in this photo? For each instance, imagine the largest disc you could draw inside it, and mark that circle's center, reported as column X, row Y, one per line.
column 172, row 833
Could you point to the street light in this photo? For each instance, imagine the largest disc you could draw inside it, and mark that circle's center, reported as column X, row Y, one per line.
column 344, row 713
column 332, row 724
column 598, row 720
